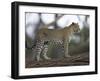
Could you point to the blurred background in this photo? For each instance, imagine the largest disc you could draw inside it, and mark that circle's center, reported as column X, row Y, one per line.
column 79, row 43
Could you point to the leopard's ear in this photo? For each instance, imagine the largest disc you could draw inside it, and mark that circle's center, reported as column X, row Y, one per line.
column 72, row 22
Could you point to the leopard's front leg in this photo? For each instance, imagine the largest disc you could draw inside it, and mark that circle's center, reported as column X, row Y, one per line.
column 66, row 44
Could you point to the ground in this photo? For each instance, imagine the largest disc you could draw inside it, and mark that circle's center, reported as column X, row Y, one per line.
column 79, row 59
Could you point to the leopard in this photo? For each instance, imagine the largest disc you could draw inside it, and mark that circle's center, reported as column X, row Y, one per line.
column 61, row 36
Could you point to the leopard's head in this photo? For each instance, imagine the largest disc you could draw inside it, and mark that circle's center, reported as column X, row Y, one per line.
column 75, row 27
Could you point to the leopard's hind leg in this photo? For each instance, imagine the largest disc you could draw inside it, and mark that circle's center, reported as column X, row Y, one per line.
column 39, row 48
column 45, row 49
